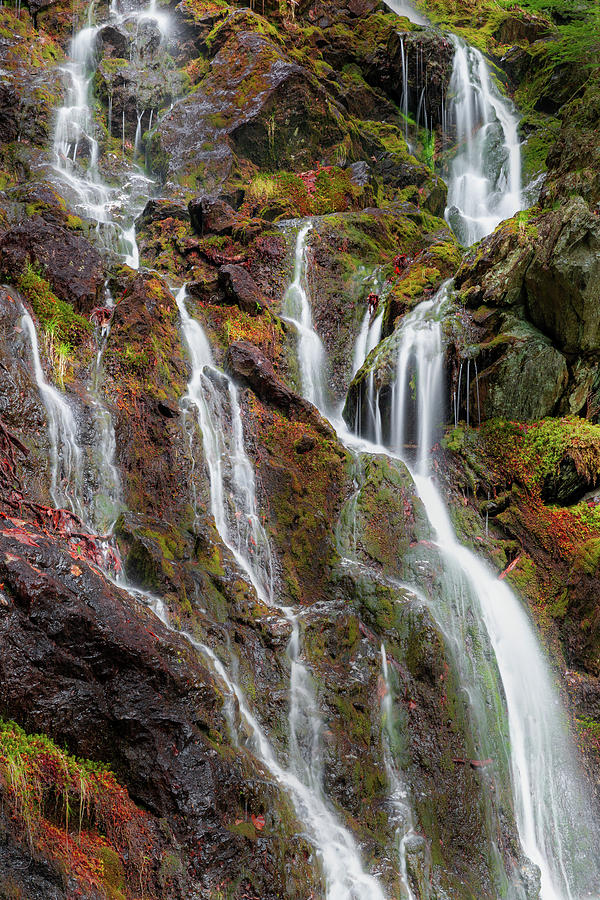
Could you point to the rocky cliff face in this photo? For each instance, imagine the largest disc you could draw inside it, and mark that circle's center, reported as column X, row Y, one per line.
column 127, row 618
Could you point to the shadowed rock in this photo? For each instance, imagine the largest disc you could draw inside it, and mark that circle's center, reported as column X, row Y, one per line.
column 247, row 364
column 72, row 266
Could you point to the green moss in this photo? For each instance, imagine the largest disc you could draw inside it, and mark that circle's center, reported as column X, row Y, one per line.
column 53, row 314
column 72, row 812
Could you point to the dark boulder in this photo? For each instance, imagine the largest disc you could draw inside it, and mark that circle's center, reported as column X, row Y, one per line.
column 157, row 210
column 563, row 279
column 211, row 216
column 241, row 288
column 88, row 664
column 254, row 103
column 69, row 262
column 247, row 364
column 567, row 484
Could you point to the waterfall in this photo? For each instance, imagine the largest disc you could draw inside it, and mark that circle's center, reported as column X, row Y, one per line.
column 484, row 179
column 76, row 148
column 66, row 470
column 74, row 140
column 554, row 819
column 296, row 309
column 403, row 8
column 368, row 338
column 213, row 395
column 552, row 812
column 398, row 793
column 234, row 508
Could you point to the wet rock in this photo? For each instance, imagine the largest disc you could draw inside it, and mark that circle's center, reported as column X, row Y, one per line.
column 254, row 103
column 9, row 118
column 156, row 210
column 73, row 267
column 524, row 28
column 114, row 41
column 526, row 382
column 360, row 173
column 241, row 288
column 89, row 665
column 134, row 77
column 247, row 364
column 212, row 216
column 563, row 279
column 30, row 87
column 567, row 484
column 305, row 444
column 22, row 876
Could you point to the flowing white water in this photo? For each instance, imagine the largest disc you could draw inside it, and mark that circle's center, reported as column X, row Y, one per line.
column 76, row 149
column 66, row 470
column 403, row 818
column 76, row 157
column 554, row 819
column 403, row 8
column 368, row 338
column 296, row 309
column 233, row 505
column 484, row 180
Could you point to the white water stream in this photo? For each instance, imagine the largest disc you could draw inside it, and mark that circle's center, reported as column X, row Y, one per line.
column 66, row 456
column 484, row 179
column 89, row 483
column 554, row 819
column 296, row 309
column 233, row 505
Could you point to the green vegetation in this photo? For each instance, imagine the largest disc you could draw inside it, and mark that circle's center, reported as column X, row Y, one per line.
column 56, row 316
column 74, row 813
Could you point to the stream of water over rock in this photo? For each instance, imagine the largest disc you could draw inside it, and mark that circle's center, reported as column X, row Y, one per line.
column 234, row 507
column 484, row 188
column 555, row 822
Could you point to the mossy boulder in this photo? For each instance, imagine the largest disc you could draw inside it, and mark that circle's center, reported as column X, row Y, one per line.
column 74, row 269
column 562, row 282
column 254, row 103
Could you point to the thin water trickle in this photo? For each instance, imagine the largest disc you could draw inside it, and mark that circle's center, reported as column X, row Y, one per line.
column 403, row 817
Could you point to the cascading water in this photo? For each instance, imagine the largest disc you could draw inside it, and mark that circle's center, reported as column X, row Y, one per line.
column 552, row 813
column 232, row 491
column 398, row 793
column 402, row 8
column 529, row 734
column 484, row 178
column 76, row 149
column 296, row 309
column 233, row 505
column 66, row 457
column 368, row 338
column 76, row 157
